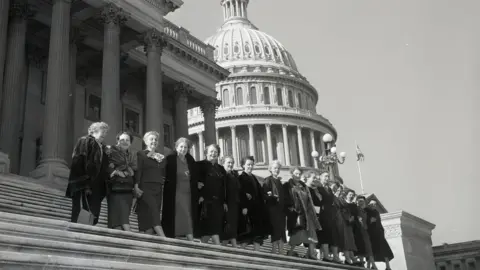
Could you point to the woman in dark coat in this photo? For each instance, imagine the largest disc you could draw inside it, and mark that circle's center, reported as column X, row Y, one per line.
column 356, row 227
column 343, row 220
column 149, row 185
column 328, row 237
column 274, row 194
column 302, row 221
column 120, row 184
column 180, row 197
column 88, row 172
column 363, row 222
column 233, row 201
column 380, row 247
column 252, row 222
column 212, row 195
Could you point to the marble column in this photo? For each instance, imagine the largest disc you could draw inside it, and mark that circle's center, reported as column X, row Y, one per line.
column 285, row 144
column 234, row 142
column 53, row 168
column 209, row 108
column 182, row 92
column 201, row 146
column 113, row 18
column 4, row 9
column 251, row 140
column 300, row 146
column 154, row 44
column 269, row 142
column 314, row 148
column 76, row 38
column 10, row 119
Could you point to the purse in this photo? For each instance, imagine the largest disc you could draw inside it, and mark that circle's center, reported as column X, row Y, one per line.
column 121, row 184
column 85, row 216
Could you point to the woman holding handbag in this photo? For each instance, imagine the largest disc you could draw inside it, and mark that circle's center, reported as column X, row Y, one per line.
column 120, row 184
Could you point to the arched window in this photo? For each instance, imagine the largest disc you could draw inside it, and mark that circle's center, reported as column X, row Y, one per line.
column 236, row 48
column 225, row 49
column 279, row 96
column 257, row 48
column 266, row 95
column 299, row 97
column 239, row 96
column 225, row 98
column 253, row 95
column 290, row 99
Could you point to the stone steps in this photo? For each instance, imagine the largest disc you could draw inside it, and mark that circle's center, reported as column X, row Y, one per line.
column 34, row 225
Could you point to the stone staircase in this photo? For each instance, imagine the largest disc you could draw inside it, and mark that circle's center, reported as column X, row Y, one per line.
column 35, row 234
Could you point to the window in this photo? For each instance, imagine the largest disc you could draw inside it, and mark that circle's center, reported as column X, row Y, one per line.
column 131, row 121
column 225, row 49
column 471, row 265
column 166, row 135
column 247, row 47
column 300, row 103
column 257, row 48
column 253, row 95
column 290, row 99
column 225, row 98
column 443, row 267
column 94, row 108
column 239, row 96
column 236, row 48
column 280, row 96
column 274, row 146
column 267, row 50
column 266, row 95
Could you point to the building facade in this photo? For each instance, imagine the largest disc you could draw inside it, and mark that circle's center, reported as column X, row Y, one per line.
column 267, row 107
column 69, row 63
column 458, row 256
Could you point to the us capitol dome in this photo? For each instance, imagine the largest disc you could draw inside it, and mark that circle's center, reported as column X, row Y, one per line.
column 267, row 107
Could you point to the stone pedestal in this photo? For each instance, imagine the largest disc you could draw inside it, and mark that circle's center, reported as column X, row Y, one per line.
column 4, row 163
column 410, row 239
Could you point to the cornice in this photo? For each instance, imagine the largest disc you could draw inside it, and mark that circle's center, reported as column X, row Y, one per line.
column 407, row 218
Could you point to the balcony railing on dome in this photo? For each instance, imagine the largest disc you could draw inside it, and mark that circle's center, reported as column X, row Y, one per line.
column 195, row 115
column 184, row 37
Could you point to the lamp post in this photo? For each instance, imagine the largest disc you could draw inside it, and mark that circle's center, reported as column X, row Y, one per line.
column 329, row 157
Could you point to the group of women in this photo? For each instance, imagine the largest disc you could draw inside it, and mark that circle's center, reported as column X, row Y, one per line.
column 178, row 197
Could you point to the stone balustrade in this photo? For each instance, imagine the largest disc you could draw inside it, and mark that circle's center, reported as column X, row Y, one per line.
column 183, row 36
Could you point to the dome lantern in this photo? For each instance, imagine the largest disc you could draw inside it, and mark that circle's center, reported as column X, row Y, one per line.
column 234, row 9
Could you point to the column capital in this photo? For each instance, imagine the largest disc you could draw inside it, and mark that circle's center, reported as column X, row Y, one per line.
column 284, row 126
column 268, row 125
column 232, row 128
column 210, row 105
column 21, row 9
column 182, row 91
column 250, row 126
column 299, row 128
column 111, row 14
column 154, row 40
column 200, row 133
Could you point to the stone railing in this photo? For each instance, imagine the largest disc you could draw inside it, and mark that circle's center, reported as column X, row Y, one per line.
column 195, row 115
column 184, row 37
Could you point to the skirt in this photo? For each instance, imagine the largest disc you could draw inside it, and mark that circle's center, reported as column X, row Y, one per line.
column 277, row 220
column 119, row 207
column 230, row 229
column 149, row 206
column 211, row 218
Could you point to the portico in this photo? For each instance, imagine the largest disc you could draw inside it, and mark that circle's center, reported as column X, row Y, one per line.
column 97, row 61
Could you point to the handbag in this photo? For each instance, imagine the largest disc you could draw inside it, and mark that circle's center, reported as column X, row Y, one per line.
column 121, row 184
column 85, row 216
column 247, row 228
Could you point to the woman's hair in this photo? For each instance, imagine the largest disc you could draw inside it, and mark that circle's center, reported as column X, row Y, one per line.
column 335, row 187
column 94, row 127
column 212, row 145
column 183, row 140
column 274, row 162
column 150, row 133
column 224, row 158
column 125, row 132
column 309, row 173
column 292, row 170
column 244, row 160
column 347, row 190
column 320, row 172
column 361, row 197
